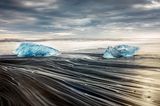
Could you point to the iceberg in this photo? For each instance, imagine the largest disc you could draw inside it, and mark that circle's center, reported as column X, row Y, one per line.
column 28, row 49
column 120, row 51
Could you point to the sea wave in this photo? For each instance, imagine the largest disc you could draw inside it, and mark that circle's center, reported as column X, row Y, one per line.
column 79, row 80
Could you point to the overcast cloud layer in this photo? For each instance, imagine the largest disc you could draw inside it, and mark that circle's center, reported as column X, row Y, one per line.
column 80, row 18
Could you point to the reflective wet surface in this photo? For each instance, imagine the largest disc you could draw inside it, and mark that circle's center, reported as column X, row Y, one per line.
column 80, row 80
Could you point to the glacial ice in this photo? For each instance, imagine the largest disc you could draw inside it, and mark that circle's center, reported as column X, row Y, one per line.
column 120, row 51
column 28, row 49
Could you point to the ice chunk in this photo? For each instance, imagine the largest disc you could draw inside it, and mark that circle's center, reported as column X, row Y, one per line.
column 120, row 51
column 35, row 50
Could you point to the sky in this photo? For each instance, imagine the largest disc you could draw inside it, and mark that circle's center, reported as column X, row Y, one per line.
column 79, row 18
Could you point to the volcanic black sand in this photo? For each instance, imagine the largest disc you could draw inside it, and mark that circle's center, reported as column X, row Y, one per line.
column 80, row 80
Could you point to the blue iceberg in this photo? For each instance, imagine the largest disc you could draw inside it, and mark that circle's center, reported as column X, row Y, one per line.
column 35, row 50
column 120, row 51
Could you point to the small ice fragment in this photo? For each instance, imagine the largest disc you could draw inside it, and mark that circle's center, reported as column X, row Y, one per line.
column 35, row 50
column 120, row 51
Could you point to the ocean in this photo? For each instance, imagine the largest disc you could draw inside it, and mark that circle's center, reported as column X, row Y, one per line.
column 80, row 76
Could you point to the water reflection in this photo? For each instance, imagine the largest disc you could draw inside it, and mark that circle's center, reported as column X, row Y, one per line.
column 89, row 82
column 84, row 79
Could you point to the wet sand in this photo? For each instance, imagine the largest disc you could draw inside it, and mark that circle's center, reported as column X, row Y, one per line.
column 80, row 79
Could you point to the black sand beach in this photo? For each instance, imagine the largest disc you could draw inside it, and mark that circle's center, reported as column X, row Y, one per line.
column 55, row 52
column 88, row 80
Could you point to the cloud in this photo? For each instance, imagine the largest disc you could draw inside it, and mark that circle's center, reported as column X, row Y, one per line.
column 91, row 18
column 154, row 4
column 3, row 30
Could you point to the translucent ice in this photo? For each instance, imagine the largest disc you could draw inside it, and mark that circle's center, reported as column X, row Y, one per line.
column 35, row 50
column 120, row 51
